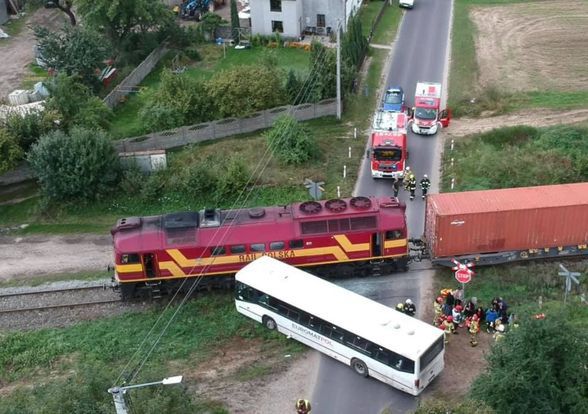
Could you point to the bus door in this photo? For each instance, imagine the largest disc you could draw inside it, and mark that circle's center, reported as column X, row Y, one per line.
column 376, row 245
column 150, row 265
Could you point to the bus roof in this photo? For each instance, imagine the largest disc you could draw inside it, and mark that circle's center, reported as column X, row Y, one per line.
column 364, row 317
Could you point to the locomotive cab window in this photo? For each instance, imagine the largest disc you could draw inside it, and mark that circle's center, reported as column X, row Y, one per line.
column 238, row 248
column 296, row 244
column 130, row 258
column 217, row 251
column 257, row 247
column 277, row 245
column 393, row 234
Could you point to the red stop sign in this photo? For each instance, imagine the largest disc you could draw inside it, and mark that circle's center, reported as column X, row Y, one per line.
column 463, row 275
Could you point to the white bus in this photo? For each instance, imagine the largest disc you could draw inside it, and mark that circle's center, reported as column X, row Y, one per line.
column 373, row 339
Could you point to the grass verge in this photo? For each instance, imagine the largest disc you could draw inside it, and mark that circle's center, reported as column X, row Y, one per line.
column 92, row 354
column 38, row 281
column 386, row 29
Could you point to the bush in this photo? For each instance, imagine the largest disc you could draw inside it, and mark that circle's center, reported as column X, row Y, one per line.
column 133, row 180
column 81, row 165
column 199, row 179
column 243, row 90
column 290, row 141
column 10, row 151
column 183, row 99
column 233, row 181
column 75, row 104
column 515, row 135
column 27, row 129
column 459, row 407
column 158, row 117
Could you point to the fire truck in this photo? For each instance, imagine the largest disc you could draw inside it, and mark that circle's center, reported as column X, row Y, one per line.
column 388, row 149
column 426, row 115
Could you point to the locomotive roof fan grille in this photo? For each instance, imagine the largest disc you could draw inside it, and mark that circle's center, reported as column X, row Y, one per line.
column 360, row 203
column 336, row 205
column 311, row 207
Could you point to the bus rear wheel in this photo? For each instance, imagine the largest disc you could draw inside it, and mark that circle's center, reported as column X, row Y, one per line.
column 269, row 323
column 360, row 367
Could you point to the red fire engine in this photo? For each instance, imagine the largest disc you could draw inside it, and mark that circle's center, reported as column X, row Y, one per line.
column 426, row 115
column 388, row 147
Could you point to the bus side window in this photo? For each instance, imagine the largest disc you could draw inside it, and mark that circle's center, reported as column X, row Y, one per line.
column 382, row 356
column 305, row 319
column 296, row 244
column 264, row 301
column 401, row 363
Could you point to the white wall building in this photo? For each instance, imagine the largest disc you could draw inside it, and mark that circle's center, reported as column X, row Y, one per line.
column 292, row 17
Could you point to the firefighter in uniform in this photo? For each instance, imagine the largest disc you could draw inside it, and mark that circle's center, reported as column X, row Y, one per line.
column 425, row 184
column 411, row 186
column 302, row 406
column 474, row 329
column 396, row 186
column 409, row 308
column 438, row 304
column 448, row 328
column 408, row 174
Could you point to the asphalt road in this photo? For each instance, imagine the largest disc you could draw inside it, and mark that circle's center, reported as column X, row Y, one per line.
column 420, row 54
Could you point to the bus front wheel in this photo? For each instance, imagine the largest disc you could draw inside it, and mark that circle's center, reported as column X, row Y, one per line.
column 269, row 323
column 360, row 367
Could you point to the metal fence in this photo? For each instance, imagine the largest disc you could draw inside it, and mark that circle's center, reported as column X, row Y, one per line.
column 225, row 127
column 129, row 84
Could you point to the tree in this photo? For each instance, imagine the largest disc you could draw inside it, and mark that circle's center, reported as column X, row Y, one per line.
column 243, row 90
column 235, row 21
column 290, row 141
column 65, row 6
column 73, row 51
column 293, row 87
column 538, row 368
column 209, row 23
column 80, row 165
column 10, row 152
column 354, row 44
column 75, row 105
column 119, row 18
column 322, row 75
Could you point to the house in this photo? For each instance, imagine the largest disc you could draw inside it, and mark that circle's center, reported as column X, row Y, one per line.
column 293, row 18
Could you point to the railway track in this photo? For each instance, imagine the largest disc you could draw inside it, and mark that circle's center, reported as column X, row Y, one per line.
column 70, row 298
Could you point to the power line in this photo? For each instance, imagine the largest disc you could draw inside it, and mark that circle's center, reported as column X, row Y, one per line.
column 302, row 95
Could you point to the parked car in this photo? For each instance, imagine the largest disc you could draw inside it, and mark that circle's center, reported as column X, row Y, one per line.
column 394, row 99
column 408, row 4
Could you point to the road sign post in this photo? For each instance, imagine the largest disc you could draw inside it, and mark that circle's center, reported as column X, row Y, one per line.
column 463, row 273
column 570, row 277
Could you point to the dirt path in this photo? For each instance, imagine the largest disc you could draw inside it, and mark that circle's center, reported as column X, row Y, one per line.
column 16, row 53
column 33, row 256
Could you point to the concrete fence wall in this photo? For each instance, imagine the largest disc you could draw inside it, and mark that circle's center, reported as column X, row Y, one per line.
column 135, row 77
column 225, row 127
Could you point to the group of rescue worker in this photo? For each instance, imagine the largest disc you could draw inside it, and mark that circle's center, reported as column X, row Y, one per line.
column 407, row 307
column 410, row 184
column 451, row 314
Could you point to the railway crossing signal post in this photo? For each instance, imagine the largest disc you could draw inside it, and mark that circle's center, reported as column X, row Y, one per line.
column 118, row 393
column 463, row 273
column 570, row 277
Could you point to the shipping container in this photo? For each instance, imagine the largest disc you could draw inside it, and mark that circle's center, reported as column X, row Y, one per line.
column 496, row 226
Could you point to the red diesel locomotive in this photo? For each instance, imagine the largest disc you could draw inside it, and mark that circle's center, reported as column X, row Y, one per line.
column 155, row 254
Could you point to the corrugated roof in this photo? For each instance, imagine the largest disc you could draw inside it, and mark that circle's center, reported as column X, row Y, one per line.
column 510, row 199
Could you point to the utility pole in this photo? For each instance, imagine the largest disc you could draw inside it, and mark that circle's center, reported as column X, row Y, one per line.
column 338, row 69
column 118, row 393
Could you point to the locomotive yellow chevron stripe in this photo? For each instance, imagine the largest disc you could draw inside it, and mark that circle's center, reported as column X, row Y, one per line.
column 129, row 268
column 172, row 267
column 350, row 247
column 388, row 244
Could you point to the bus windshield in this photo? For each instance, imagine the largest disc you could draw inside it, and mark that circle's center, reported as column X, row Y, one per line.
column 388, row 154
column 424, row 113
column 373, row 339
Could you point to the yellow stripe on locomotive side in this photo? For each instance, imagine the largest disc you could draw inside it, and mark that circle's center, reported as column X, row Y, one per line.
column 389, row 244
column 172, row 267
column 350, row 247
column 129, row 268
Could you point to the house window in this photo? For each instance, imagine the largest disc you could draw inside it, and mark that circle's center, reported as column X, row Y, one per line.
column 320, row 20
column 276, row 5
column 277, row 26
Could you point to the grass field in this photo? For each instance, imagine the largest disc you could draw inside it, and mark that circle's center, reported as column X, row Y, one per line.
column 470, row 81
column 83, row 361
